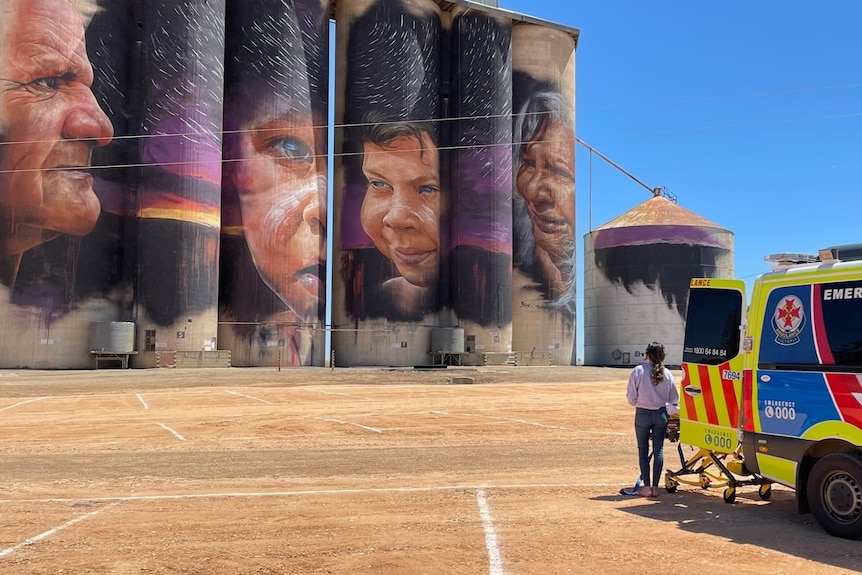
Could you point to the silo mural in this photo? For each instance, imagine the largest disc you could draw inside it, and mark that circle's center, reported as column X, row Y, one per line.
column 179, row 196
column 544, row 192
column 480, row 105
column 60, row 229
column 637, row 272
column 176, row 185
column 272, row 282
column 390, row 201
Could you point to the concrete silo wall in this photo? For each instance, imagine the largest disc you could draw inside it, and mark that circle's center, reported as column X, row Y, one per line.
column 480, row 130
column 129, row 231
column 179, row 192
column 389, row 238
column 636, row 287
column 544, row 192
column 272, row 275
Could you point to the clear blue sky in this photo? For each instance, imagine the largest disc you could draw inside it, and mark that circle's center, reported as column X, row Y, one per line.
column 749, row 112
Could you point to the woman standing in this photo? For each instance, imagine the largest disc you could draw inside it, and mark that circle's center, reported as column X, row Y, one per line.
column 651, row 388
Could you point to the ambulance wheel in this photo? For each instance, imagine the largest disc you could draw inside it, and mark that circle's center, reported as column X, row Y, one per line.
column 729, row 495
column 765, row 491
column 835, row 494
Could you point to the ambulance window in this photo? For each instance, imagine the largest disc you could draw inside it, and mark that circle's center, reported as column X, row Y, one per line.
column 841, row 304
column 712, row 326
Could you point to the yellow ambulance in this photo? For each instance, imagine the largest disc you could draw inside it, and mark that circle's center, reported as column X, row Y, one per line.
column 780, row 382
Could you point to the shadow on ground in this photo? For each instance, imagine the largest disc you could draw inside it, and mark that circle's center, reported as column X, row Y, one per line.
column 773, row 524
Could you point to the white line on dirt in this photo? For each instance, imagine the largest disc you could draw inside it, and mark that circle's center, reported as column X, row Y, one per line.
column 177, row 435
column 141, row 399
column 23, row 402
column 374, row 429
column 306, row 492
column 48, row 533
column 249, row 397
column 495, row 563
column 526, row 422
column 337, row 393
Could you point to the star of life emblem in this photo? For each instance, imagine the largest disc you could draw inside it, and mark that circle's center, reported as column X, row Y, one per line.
column 788, row 320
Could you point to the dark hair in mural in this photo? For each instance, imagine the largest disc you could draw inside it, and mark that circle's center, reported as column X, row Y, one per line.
column 276, row 75
column 538, row 105
column 277, row 60
column 480, row 104
column 393, row 65
column 392, row 93
column 667, row 268
column 383, row 133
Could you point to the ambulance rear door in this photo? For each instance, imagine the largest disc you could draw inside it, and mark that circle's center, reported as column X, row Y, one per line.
column 711, row 388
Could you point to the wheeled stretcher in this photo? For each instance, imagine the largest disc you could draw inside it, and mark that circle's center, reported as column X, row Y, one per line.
column 709, row 469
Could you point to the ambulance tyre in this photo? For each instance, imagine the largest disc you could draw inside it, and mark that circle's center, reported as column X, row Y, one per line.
column 729, row 495
column 835, row 494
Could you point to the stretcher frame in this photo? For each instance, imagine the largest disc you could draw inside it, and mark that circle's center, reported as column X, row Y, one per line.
column 714, row 469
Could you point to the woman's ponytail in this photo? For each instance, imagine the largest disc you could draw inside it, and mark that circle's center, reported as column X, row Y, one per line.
column 656, row 354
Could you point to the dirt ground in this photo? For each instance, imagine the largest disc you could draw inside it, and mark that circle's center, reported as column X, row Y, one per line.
column 361, row 471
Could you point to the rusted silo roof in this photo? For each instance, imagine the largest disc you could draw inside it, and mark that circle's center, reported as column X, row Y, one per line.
column 658, row 211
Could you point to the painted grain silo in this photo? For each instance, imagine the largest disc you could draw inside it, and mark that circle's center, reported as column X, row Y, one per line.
column 543, row 191
column 637, row 270
column 480, row 181
column 272, row 280
column 135, row 238
column 389, row 240
column 179, row 189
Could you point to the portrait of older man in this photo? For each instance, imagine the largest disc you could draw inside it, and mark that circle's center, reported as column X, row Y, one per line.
column 50, row 122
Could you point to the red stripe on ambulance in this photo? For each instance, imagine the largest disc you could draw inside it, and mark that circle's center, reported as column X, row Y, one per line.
column 846, row 390
column 690, row 410
column 706, row 393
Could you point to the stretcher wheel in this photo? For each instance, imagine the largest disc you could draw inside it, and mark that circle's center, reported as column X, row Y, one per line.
column 765, row 491
column 729, row 495
column 705, row 482
column 670, row 485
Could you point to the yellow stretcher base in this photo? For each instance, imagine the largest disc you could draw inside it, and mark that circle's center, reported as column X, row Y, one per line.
column 710, row 469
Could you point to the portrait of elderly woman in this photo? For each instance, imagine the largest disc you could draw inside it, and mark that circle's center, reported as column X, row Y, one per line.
column 273, row 263
column 544, row 194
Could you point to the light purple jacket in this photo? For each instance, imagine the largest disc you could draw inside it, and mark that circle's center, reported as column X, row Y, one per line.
column 642, row 393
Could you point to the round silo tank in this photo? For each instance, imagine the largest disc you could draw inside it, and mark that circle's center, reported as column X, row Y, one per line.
column 637, row 269
column 386, row 291
column 175, row 242
column 543, row 200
